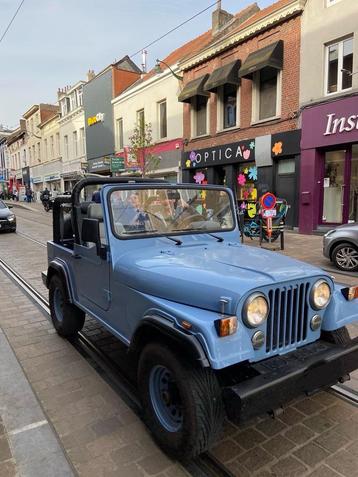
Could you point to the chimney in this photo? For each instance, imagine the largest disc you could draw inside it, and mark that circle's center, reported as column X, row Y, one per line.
column 144, row 61
column 90, row 75
column 220, row 18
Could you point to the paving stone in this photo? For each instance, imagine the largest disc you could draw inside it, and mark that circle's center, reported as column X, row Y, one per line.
column 318, row 423
column 249, row 438
column 255, row 458
column 311, row 454
column 309, row 406
column 353, row 448
column 155, row 463
column 237, row 469
column 331, row 441
column 338, row 412
column 5, row 452
column 347, row 429
column 226, row 450
column 325, row 398
column 324, row 471
column 106, row 426
column 344, row 462
column 270, row 426
column 8, row 469
column 299, row 434
column 288, row 467
column 126, row 454
column 2, row 428
column 291, row 416
column 278, row 446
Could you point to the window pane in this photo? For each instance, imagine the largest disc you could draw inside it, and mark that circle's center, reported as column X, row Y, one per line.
column 347, row 63
column 332, row 68
column 268, row 93
column 163, row 119
column 201, row 102
column 286, row 166
column 120, row 133
column 229, row 101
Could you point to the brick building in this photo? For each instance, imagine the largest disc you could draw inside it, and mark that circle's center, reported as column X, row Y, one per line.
column 241, row 100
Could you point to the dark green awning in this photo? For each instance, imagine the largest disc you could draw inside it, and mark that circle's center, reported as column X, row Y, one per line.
column 228, row 74
column 194, row 88
column 269, row 56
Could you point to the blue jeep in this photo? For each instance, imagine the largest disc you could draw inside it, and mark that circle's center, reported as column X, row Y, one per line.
column 213, row 327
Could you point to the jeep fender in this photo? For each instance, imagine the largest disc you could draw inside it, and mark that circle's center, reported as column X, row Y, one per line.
column 58, row 267
column 154, row 328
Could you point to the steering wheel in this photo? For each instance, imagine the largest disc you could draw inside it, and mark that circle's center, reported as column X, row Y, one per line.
column 185, row 223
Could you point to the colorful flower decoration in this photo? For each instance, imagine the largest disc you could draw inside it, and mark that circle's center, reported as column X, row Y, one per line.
column 199, row 177
column 277, row 148
column 252, row 145
column 246, row 170
column 253, row 173
column 243, row 206
column 246, row 194
column 203, row 194
column 188, row 163
column 246, row 154
column 192, row 156
column 241, row 179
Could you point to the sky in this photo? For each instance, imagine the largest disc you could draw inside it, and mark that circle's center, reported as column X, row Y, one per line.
column 53, row 43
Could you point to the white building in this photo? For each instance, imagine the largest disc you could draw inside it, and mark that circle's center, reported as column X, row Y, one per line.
column 4, row 156
column 72, row 134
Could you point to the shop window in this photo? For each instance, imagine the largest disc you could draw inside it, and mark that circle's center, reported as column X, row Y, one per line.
column 247, row 188
column 267, row 94
column 339, row 61
column 286, row 166
column 200, row 117
column 162, row 119
column 119, row 130
column 228, row 100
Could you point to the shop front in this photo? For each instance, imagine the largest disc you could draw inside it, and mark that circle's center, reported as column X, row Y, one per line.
column 329, row 165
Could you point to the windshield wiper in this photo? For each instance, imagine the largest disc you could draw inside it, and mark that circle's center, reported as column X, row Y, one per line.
column 147, row 232
column 177, row 241
column 219, row 239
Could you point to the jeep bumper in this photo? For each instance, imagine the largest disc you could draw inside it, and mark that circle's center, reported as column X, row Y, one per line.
column 282, row 378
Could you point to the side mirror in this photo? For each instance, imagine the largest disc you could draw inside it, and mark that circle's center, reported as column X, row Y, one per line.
column 90, row 233
column 10, row 206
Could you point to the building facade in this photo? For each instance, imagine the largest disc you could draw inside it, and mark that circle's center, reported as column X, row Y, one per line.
column 98, row 111
column 329, row 105
column 19, row 161
column 4, row 158
column 70, row 142
column 241, row 100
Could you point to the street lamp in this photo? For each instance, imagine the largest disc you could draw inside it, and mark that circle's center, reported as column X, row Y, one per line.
column 159, row 70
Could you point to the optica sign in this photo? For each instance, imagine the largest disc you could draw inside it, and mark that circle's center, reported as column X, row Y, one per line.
column 99, row 118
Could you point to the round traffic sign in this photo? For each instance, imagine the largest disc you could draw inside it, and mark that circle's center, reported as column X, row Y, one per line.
column 268, row 201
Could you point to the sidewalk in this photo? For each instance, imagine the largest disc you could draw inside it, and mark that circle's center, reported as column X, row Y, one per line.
column 33, row 206
column 28, row 444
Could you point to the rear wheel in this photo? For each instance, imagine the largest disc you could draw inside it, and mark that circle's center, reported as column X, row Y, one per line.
column 345, row 257
column 182, row 404
column 67, row 319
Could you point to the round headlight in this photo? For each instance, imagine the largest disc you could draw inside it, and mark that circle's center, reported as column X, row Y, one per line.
column 320, row 295
column 255, row 310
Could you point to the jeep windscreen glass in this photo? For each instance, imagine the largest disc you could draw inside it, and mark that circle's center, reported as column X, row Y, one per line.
column 164, row 211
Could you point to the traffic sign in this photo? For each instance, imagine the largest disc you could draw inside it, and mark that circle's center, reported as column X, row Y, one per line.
column 268, row 201
column 117, row 164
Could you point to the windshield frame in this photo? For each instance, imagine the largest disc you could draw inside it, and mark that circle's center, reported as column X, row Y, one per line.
column 174, row 187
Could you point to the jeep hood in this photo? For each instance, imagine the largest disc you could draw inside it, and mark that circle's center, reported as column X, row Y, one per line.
column 199, row 274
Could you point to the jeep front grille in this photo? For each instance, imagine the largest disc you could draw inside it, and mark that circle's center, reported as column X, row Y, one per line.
column 288, row 317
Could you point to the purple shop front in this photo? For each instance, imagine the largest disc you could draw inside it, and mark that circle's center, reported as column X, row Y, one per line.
column 329, row 165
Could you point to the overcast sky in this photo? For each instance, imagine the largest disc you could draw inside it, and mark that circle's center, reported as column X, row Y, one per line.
column 53, row 43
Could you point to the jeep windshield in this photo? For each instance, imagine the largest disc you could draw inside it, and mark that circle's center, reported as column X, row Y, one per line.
column 170, row 210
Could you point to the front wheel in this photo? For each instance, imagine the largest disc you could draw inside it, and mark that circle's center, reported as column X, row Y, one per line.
column 67, row 319
column 182, row 403
column 345, row 257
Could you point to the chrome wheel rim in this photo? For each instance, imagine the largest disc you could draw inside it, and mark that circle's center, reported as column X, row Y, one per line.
column 347, row 258
column 165, row 398
column 58, row 304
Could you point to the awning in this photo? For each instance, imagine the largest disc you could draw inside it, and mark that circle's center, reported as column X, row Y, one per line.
column 194, row 88
column 228, row 74
column 269, row 56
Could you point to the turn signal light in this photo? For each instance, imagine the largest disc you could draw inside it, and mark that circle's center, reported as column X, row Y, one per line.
column 350, row 293
column 226, row 326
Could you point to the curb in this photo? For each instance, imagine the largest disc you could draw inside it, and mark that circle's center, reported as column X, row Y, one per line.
column 21, row 206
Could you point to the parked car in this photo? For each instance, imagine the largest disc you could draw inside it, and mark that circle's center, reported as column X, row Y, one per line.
column 340, row 245
column 212, row 326
column 7, row 218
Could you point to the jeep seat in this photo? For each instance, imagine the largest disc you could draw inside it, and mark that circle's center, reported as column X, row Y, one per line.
column 95, row 211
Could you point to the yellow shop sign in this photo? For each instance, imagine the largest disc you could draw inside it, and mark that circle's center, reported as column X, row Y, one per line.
column 95, row 119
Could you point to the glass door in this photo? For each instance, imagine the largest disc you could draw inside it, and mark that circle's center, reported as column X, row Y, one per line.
column 353, row 189
column 334, row 187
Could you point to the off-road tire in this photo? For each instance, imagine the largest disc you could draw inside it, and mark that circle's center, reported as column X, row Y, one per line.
column 202, row 407
column 339, row 336
column 72, row 319
column 336, row 251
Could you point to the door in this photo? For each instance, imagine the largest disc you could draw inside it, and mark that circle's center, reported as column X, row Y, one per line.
column 285, row 187
column 334, row 187
column 353, row 186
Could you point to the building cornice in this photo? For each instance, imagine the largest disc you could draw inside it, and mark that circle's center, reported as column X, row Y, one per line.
column 71, row 115
column 295, row 7
column 31, row 111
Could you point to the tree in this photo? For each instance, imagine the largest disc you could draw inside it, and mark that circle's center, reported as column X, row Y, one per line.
column 141, row 146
